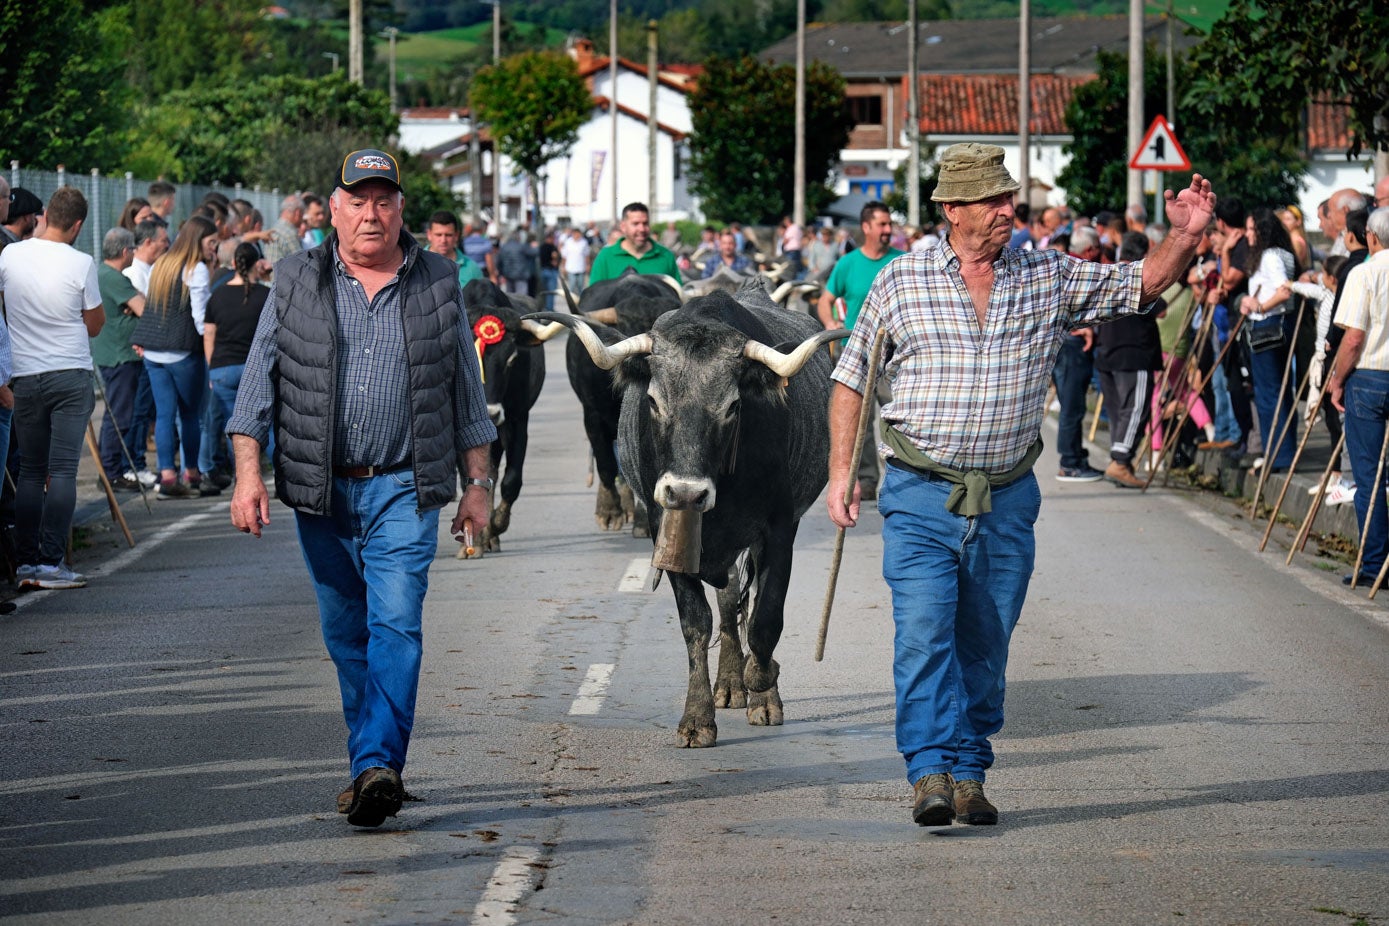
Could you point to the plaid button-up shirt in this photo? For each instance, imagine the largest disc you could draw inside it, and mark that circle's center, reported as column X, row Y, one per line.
column 967, row 396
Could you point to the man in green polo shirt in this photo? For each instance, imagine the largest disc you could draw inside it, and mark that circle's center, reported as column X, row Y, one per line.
column 634, row 249
column 849, row 281
column 116, row 361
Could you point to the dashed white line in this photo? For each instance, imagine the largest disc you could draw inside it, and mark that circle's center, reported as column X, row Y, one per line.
column 510, row 881
column 594, row 687
column 636, row 577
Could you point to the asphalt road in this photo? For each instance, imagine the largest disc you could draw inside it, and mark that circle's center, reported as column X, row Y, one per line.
column 1195, row 734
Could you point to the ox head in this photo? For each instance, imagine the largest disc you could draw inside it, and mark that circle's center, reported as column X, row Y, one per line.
column 499, row 332
column 698, row 375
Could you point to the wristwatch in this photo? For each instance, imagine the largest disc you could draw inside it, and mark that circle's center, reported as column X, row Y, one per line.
column 485, row 484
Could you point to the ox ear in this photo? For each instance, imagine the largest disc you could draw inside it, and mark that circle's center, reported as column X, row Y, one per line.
column 757, row 379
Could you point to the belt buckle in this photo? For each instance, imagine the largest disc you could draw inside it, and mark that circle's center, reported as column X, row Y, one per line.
column 373, row 471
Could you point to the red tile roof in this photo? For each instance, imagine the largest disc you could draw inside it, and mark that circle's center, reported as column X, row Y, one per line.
column 987, row 104
column 1328, row 124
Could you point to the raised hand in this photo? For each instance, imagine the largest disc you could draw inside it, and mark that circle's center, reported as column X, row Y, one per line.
column 1192, row 209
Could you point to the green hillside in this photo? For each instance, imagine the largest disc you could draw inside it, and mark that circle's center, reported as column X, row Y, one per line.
column 419, row 53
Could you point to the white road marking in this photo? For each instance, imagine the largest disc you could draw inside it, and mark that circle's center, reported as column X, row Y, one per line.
column 510, row 881
column 594, row 687
column 637, row 577
column 121, row 560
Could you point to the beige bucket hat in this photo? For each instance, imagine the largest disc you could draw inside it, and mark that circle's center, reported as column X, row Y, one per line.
column 971, row 172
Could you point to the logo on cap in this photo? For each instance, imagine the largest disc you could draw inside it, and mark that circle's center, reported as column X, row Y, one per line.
column 373, row 162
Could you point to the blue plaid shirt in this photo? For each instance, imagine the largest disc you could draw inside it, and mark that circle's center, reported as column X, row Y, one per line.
column 372, row 425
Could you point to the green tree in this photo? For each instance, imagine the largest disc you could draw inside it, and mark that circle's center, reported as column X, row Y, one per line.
column 742, row 152
column 65, row 97
column 1268, row 58
column 898, row 200
column 535, row 103
column 1230, row 150
column 178, row 44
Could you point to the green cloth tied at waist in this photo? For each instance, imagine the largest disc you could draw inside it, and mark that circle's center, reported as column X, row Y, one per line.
column 973, row 492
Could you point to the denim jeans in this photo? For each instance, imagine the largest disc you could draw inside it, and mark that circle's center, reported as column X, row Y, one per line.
column 1226, row 427
column 51, row 411
column 549, row 281
column 958, row 586
column 121, row 383
column 6, row 416
column 213, row 453
column 1072, row 376
column 1266, row 367
column 141, row 419
column 369, row 561
column 178, row 393
column 1367, row 408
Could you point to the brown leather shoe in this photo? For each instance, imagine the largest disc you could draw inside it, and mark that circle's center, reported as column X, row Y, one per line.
column 935, row 800
column 345, row 799
column 1121, row 474
column 1215, row 445
column 971, row 806
column 376, row 795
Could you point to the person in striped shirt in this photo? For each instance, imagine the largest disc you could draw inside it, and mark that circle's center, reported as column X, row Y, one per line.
column 972, row 332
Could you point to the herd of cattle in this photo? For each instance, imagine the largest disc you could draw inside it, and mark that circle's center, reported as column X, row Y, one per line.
column 716, row 404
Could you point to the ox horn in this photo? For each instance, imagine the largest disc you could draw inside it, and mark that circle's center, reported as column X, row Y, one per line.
column 606, row 316
column 604, row 357
column 568, row 296
column 540, row 332
column 788, row 365
column 779, row 294
column 675, row 287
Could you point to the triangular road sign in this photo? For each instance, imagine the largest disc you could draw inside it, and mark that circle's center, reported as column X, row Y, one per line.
column 1159, row 149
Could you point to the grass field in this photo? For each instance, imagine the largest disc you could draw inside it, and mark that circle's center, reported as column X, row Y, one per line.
column 420, row 52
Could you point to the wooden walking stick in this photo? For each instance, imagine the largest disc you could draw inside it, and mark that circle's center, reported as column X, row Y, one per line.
column 1297, row 455
column 1370, row 511
column 1300, row 540
column 125, row 451
column 106, row 484
column 1273, row 445
column 1095, row 422
column 1379, row 579
column 1199, row 345
column 1166, row 380
column 865, row 412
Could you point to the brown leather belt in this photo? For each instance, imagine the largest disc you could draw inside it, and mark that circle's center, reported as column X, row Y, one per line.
column 366, row 472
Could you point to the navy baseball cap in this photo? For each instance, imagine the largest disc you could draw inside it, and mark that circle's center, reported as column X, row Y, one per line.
column 369, row 164
column 23, row 203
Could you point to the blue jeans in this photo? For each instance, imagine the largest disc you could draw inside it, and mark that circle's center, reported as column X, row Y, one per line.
column 178, row 394
column 1367, row 407
column 369, row 561
column 549, row 281
column 51, row 412
column 213, row 452
column 141, row 419
column 6, row 416
column 1266, row 367
column 1072, row 375
column 121, row 383
column 958, row 586
column 1226, row 427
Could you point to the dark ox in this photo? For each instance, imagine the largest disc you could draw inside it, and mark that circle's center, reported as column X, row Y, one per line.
column 513, row 370
column 715, row 420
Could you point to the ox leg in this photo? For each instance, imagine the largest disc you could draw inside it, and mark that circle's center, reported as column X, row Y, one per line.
column 773, row 570
column 517, row 440
column 491, row 541
column 608, row 511
column 728, row 685
column 697, row 728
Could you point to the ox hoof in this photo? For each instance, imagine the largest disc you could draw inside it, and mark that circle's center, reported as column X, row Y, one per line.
column 756, row 678
column 629, row 503
column 608, row 511
column 501, row 518
column 730, row 693
column 640, row 529
column 696, row 736
column 764, row 708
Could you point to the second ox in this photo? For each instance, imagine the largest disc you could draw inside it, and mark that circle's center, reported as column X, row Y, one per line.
column 716, row 420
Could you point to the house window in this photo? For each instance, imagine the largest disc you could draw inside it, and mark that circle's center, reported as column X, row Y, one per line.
column 866, row 110
column 678, row 152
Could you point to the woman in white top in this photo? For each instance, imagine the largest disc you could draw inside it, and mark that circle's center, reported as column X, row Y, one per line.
column 1272, row 332
column 170, row 338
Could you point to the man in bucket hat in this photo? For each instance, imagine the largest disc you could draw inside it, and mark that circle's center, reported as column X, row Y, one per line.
column 973, row 329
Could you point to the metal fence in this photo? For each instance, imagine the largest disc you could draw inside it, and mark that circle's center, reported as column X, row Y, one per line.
column 107, row 196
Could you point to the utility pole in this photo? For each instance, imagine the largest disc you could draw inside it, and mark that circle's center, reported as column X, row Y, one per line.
column 354, row 41
column 652, row 41
column 497, row 148
column 913, row 119
column 1025, row 101
column 390, row 32
column 1135, row 184
column 496, row 31
column 1171, row 112
column 334, row 56
column 798, row 171
column 612, row 98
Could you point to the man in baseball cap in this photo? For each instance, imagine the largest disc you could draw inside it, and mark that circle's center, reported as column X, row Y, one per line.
column 25, row 211
column 369, row 164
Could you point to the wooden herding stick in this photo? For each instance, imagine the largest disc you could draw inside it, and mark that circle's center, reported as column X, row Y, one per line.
column 865, row 412
column 1095, row 422
column 1305, row 530
column 1370, row 511
column 1197, row 347
column 1271, row 447
column 106, row 484
column 1166, row 379
column 1297, row 455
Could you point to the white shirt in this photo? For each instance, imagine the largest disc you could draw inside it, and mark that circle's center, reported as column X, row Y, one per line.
column 1365, row 306
column 1275, row 268
column 47, row 287
column 199, row 290
column 575, row 253
column 138, row 273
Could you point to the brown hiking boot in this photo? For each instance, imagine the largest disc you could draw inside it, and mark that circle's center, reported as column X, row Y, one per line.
column 345, row 800
column 971, row 806
column 376, row 795
column 1121, row 474
column 935, row 800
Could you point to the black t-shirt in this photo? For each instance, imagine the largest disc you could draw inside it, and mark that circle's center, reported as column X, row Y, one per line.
column 549, row 256
column 235, row 312
column 1239, row 259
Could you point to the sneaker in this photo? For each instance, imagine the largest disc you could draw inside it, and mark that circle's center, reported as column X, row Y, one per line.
column 24, row 577
column 218, row 477
column 1316, row 486
column 204, row 488
column 146, row 478
column 935, row 800
column 376, row 794
column 57, row 576
column 1339, row 495
column 175, row 489
column 125, row 484
column 971, row 806
column 1121, row 474
column 1082, row 473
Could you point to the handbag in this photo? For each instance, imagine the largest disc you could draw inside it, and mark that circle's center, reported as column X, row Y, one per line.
column 1265, row 334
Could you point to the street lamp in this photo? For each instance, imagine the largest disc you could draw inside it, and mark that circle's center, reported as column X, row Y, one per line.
column 334, row 55
column 390, row 32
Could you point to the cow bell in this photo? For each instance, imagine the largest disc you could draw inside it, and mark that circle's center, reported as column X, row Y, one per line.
column 677, row 541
